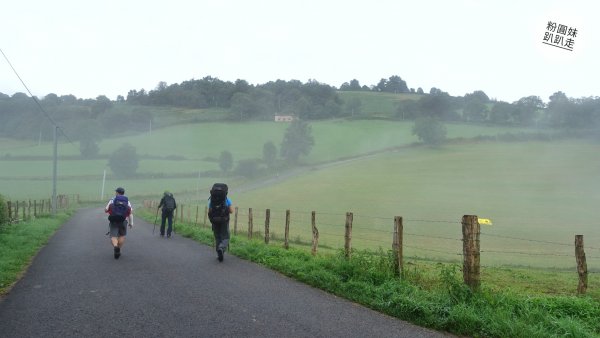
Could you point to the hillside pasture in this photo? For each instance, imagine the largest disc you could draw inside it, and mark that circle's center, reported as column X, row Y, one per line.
column 376, row 104
column 538, row 195
column 186, row 150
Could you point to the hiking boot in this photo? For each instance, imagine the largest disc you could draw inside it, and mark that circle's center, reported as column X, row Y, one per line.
column 169, row 236
column 220, row 255
column 117, row 252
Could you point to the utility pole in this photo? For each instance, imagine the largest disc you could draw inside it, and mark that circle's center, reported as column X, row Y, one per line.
column 54, row 166
column 103, row 181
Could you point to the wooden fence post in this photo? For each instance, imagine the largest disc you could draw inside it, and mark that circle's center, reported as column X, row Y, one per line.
column 397, row 246
column 581, row 265
column 197, row 211
column 35, row 208
column 267, row 221
column 286, row 243
column 24, row 207
column 471, row 251
column 17, row 211
column 348, row 235
column 29, row 209
column 250, row 225
column 235, row 221
column 315, row 234
column 9, row 207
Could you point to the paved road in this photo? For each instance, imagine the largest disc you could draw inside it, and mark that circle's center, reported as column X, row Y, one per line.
column 171, row 288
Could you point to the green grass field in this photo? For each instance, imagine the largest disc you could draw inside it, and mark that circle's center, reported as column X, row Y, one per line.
column 532, row 191
column 200, row 145
column 374, row 104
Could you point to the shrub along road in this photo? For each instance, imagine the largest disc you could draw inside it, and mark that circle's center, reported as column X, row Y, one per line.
column 171, row 288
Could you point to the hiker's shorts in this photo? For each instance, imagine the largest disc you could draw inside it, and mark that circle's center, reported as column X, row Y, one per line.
column 118, row 229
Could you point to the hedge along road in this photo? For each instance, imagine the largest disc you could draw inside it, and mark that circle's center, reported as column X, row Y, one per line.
column 171, row 288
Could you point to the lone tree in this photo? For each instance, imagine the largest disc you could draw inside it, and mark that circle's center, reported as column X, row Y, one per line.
column 430, row 130
column 297, row 141
column 226, row 161
column 269, row 154
column 124, row 161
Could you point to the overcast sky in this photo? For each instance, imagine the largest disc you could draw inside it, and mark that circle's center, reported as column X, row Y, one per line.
column 110, row 47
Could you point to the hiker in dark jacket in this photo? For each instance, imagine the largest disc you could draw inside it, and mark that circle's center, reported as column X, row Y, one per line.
column 168, row 204
column 219, row 209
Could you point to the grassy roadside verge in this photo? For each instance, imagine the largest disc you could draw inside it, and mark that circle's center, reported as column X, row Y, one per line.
column 433, row 297
column 19, row 243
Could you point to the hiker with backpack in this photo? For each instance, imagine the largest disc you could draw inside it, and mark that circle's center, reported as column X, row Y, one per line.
column 168, row 204
column 119, row 212
column 219, row 209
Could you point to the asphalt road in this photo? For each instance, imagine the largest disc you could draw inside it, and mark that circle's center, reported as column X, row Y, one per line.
column 171, row 288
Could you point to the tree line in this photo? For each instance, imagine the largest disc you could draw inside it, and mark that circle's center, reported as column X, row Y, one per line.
column 90, row 120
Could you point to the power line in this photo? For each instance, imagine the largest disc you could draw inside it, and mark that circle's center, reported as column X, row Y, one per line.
column 34, row 98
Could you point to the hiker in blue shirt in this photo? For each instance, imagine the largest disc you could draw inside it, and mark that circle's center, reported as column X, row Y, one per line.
column 219, row 209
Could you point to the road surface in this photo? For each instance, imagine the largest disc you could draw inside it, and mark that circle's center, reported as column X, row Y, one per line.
column 171, row 288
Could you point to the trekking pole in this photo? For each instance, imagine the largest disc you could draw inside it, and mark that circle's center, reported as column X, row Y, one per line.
column 155, row 219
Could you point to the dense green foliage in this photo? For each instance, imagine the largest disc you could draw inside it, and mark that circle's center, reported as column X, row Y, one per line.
column 226, row 161
column 430, row 130
column 297, row 141
column 124, row 161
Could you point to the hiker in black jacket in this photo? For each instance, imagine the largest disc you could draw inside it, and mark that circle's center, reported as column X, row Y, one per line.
column 168, row 204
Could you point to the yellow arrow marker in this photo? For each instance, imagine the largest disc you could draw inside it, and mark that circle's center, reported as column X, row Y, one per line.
column 485, row 221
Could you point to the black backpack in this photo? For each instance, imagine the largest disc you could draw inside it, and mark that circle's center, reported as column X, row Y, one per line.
column 169, row 204
column 219, row 211
column 119, row 209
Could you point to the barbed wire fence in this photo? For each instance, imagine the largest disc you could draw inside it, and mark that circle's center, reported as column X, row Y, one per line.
column 434, row 240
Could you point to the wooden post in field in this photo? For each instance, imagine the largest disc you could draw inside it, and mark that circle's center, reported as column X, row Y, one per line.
column 17, row 211
column 250, row 223
column 286, row 243
column 175, row 214
column 471, row 252
column 42, row 207
column 348, row 235
column 205, row 215
column 267, row 221
column 235, row 220
column 9, row 207
column 24, row 207
column 189, row 210
column 397, row 246
column 581, row 265
column 315, row 234
column 197, row 211
column 34, row 208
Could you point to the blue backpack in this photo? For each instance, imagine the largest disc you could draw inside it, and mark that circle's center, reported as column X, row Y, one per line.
column 119, row 209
